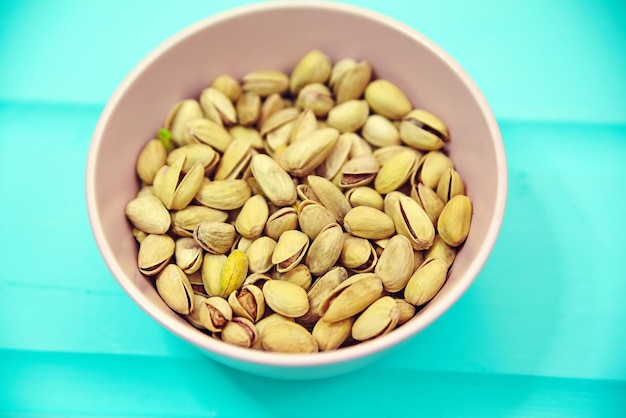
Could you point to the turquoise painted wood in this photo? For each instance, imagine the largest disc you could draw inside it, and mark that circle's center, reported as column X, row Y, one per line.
column 542, row 332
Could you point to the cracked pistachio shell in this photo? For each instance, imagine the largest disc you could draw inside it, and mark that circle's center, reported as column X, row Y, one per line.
column 266, row 82
column 351, row 83
column 450, row 185
column 316, row 97
column 426, row 282
column 303, row 125
column 279, row 119
column 284, row 219
column 359, row 171
column 252, row 217
column 313, row 217
column 182, row 113
column 305, row 192
column 455, row 219
column 377, row 320
column 330, row 335
column 188, row 255
column 386, row 99
column 302, row 157
column 184, row 221
column 155, row 251
column 257, row 279
column 358, row 254
column 431, row 167
column 178, row 188
column 370, row 223
column 406, row 311
column 325, row 249
column 248, row 303
column 395, row 264
column 259, row 254
column 238, row 131
column 224, row 194
column 351, row 297
column 319, row 291
column 331, row 166
column 276, row 184
column 204, row 131
column 194, row 316
column 429, row 200
column 214, row 237
column 330, row 196
column 272, row 104
column 216, row 103
column 151, row 158
column 441, row 250
column 380, row 132
column 299, row 275
column 424, row 131
column 235, row 159
column 195, row 153
column 148, row 214
column 227, row 85
column 314, row 67
column 339, row 69
column 214, row 313
column 290, row 250
column 359, row 146
column 239, row 331
column 285, row 298
column 276, row 141
column 174, row 288
column 412, row 221
column 248, row 108
column 364, row 196
column 288, row 337
column 348, row 116
column 395, row 172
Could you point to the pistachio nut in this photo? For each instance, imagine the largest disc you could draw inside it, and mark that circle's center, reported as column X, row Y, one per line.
column 358, row 254
column 450, row 185
column 339, row 69
column 212, row 265
column 455, row 219
column 331, row 166
column 276, row 184
column 207, row 132
column 302, row 157
column 214, row 237
column 303, row 125
column 359, row 146
column 259, row 254
column 424, row 131
column 299, row 275
column 145, row 191
column 218, row 107
column 431, row 167
column 257, row 279
column 279, row 119
column 252, row 217
column 214, row 313
column 418, row 257
column 313, row 217
column 227, row 85
column 351, row 297
column 406, row 311
column 238, row 131
column 151, row 159
column 182, row 113
column 395, row 172
column 348, row 116
column 395, row 264
column 235, row 159
column 188, row 255
column 364, row 196
column 174, row 288
column 193, row 317
column 314, row 67
column 412, row 221
column 266, row 82
column 224, row 194
column 239, row 331
column 442, row 251
column 288, row 337
column 272, row 104
column 380, row 132
column 377, row 320
column 242, row 243
column 384, row 154
column 351, row 83
column 386, row 99
column 195, row 153
column 318, row 292
column 359, row 171
column 325, row 249
column 148, row 214
column 231, row 276
column 139, row 235
column 426, row 282
column 277, row 140
column 330, row 335
column 429, row 200
column 290, row 250
column 155, row 251
column 263, row 323
column 305, row 192
column 286, row 298
column 178, row 189
column 370, row 223
column 248, row 107
column 330, row 196
column 248, row 303
column 184, row 221
column 317, row 97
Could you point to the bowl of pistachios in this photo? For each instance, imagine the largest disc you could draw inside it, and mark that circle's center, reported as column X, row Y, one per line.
column 295, row 188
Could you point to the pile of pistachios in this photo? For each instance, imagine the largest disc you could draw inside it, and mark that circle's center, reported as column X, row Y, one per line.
column 299, row 213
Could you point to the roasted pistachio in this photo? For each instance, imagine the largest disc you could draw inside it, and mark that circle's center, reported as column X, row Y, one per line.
column 386, row 99
column 266, row 82
column 314, row 67
column 259, row 254
column 455, row 219
column 155, row 252
column 367, row 222
column 426, row 281
column 286, row 298
column 151, row 159
column 227, row 85
column 351, row 297
column 148, row 214
column 188, row 255
column 248, row 303
column 378, row 319
column 214, row 313
column 423, row 130
column 290, row 250
column 288, row 337
column 174, row 288
column 239, row 331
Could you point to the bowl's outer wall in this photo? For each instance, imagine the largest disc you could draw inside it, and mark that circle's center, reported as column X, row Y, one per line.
column 275, row 38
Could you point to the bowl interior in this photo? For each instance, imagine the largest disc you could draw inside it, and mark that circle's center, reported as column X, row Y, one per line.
column 275, row 37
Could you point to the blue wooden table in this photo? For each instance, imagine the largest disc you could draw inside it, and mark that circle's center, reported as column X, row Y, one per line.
column 542, row 332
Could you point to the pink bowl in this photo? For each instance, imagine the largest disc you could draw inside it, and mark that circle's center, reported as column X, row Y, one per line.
column 276, row 35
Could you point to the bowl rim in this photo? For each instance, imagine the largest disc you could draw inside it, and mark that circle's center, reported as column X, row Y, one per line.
column 352, row 353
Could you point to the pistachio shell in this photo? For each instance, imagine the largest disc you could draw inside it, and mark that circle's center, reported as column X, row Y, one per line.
column 184, row 221
column 412, row 221
column 325, row 249
column 351, row 297
column 288, row 337
column 426, row 282
column 214, row 313
column 233, row 273
column 314, row 67
column 380, row 132
column 406, row 311
column 182, row 113
column 266, row 82
column 339, row 69
column 364, row 196
column 213, row 100
column 431, row 167
column 441, row 250
column 252, row 217
column 348, row 116
column 303, row 125
column 227, row 85
column 188, row 255
column 320, row 290
column 151, row 158
column 174, row 288
column 450, row 185
column 317, row 97
column 290, row 250
column 259, row 254
column 359, row 146
column 248, row 108
column 193, row 317
column 299, row 275
column 214, row 237
column 239, row 331
column 155, row 251
column 336, row 159
column 424, row 131
column 248, row 303
column 177, row 189
column 285, row 298
column 272, row 104
column 276, row 184
column 284, row 219
column 359, row 171
column 385, row 98
column 224, row 194
column 195, row 153
column 351, row 83
column 278, row 119
column 395, row 172
column 358, row 255
column 395, row 264
column 384, row 154
column 148, row 214
column 235, row 159
column 207, row 132
column 455, row 219
column 212, row 265
column 313, row 217
column 378, row 319
column 367, row 222
column 302, row 157
column 330, row 335
column 429, row 200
